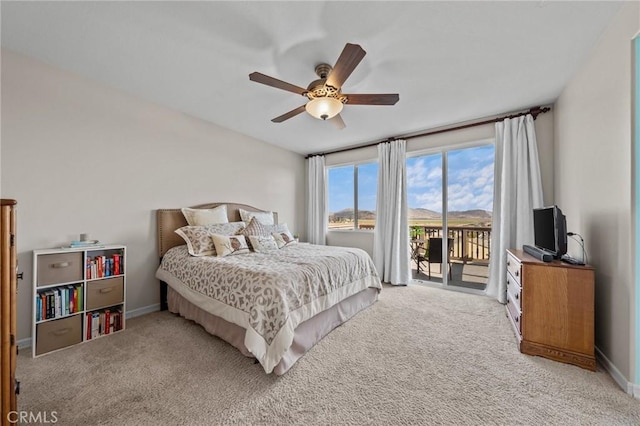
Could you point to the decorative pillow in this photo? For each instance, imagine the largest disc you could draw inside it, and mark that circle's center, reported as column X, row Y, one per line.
column 266, row 218
column 262, row 243
column 199, row 217
column 230, row 244
column 198, row 238
column 284, row 238
column 255, row 227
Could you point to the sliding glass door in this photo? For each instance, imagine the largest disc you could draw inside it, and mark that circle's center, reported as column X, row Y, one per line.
column 450, row 193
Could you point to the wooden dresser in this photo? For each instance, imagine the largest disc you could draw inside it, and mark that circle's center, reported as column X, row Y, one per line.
column 551, row 308
column 8, row 296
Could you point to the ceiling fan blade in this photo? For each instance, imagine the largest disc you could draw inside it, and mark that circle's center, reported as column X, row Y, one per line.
column 349, row 59
column 338, row 122
column 373, row 99
column 289, row 114
column 274, row 82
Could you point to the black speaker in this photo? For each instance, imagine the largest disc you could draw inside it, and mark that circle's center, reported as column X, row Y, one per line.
column 537, row 253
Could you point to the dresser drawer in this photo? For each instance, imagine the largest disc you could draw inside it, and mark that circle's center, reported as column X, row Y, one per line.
column 514, row 291
column 103, row 293
column 60, row 268
column 514, row 267
column 52, row 335
column 514, row 313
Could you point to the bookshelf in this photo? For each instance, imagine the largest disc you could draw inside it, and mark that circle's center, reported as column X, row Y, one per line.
column 78, row 295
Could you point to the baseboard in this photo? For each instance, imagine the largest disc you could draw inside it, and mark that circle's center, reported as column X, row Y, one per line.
column 630, row 388
column 26, row 342
column 142, row 311
column 636, row 390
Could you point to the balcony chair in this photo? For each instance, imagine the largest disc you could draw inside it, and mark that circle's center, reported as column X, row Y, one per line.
column 433, row 254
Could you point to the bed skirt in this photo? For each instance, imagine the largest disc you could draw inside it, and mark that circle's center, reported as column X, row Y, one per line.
column 306, row 335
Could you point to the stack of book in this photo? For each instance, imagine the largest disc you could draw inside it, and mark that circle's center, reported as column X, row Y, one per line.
column 103, row 322
column 103, row 266
column 59, row 302
column 87, row 243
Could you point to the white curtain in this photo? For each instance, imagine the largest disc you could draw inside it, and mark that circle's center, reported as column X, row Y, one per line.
column 517, row 191
column 317, row 219
column 391, row 235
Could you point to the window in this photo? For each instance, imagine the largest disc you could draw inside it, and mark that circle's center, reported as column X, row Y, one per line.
column 352, row 196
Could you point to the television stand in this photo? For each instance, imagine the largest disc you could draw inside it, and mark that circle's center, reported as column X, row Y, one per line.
column 538, row 253
column 551, row 308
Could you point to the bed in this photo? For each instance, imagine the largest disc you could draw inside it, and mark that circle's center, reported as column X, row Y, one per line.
column 273, row 306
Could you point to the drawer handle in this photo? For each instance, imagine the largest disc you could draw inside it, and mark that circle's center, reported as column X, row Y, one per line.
column 517, row 319
column 62, row 331
column 106, row 290
column 517, row 296
column 508, row 263
column 517, row 273
column 60, row 264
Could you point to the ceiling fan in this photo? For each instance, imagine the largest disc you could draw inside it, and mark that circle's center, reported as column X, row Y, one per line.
column 325, row 97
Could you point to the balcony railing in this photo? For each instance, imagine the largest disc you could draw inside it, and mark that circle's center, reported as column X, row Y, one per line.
column 469, row 242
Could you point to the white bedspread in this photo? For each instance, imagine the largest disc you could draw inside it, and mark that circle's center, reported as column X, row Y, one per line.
column 269, row 294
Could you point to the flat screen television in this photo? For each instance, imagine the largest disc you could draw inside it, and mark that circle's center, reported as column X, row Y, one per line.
column 550, row 230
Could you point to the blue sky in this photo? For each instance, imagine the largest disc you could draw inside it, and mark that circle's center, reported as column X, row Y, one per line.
column 470, row 182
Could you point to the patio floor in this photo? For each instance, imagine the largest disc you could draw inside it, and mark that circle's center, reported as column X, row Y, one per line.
column 473, row 274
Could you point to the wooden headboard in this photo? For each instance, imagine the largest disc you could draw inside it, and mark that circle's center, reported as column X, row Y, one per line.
column 168, row 220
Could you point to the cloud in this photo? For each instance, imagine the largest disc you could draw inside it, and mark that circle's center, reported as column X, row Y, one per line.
column 470, row 182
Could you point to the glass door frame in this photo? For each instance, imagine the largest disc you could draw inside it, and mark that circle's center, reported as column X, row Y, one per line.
column 444, row 150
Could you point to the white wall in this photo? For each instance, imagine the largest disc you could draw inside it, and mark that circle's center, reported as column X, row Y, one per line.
column 593, row 179
column 544, row 133
column 81, row 157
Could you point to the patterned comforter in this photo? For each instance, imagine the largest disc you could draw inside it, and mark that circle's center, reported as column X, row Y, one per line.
column 269, row 294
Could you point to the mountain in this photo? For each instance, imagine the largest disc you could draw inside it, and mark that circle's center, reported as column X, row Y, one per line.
column 471, row 214
column 347, row 214
column 423, row 214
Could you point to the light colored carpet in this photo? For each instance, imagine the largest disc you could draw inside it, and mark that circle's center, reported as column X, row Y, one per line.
column 418, row 356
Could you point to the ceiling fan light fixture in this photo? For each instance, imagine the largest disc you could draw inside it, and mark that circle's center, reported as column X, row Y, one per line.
column 324, row 108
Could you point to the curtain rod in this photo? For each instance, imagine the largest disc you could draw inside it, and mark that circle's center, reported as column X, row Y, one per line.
column 535, row 111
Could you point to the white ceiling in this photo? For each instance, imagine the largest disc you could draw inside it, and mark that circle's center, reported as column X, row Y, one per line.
column 449, row 61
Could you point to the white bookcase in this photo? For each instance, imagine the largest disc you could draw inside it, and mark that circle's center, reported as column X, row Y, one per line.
column 78, row 295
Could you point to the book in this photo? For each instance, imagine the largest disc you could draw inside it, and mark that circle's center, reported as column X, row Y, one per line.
column 80, row 301
column 89, row 322
column 116, row 264
column 71, row 305
column 81, row 244
column 43, row 306
column 88, row 243
column 56, row 298
column 107, row 322
column 95, row 325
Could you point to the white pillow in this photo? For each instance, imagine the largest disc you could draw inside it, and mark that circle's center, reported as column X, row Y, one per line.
column 263, row 243
column 265, row 218
column 230, row 244
column 199, row 217
column 283, row 238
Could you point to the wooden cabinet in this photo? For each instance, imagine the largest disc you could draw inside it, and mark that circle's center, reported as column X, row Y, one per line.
column 551, row 308
column 8, row 297
column 78, row 295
